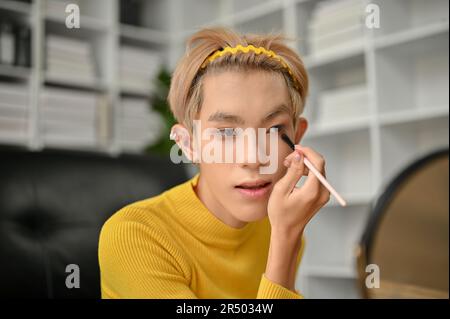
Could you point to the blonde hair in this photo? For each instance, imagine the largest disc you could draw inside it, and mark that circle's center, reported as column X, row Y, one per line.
column 185, row 94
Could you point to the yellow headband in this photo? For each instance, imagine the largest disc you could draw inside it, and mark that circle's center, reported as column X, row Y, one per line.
column 234, row 50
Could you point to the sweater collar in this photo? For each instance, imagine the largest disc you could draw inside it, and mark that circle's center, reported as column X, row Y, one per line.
column 203, row 224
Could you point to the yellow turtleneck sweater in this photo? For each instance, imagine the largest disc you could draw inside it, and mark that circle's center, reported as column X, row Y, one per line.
column 172, row 246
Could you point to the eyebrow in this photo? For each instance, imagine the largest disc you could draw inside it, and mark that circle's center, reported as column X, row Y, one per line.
column 220, row 116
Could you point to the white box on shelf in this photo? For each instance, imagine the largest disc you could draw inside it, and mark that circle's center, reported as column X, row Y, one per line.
column 342, row 104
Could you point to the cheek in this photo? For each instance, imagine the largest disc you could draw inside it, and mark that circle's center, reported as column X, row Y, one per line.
column 219, row 174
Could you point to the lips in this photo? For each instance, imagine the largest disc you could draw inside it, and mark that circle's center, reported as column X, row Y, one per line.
column 253, row 184
column 254, row 189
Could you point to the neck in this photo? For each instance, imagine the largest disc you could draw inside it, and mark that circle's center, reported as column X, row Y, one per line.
column 208, row 199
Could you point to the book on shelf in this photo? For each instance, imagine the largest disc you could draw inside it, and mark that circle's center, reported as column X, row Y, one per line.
column 68, row 116
column 11, row 127
column 69, row 60
column 138, row 68
column 14, row 103
column 139, row 125
column 14, row 94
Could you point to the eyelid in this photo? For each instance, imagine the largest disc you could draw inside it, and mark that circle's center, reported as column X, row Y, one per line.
column 280, row 127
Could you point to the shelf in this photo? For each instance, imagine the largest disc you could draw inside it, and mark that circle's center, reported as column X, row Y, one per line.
column 270, row 22
column 413, row 74
column 340, row 126
column 15, row 71
column 86, row 23
column 356, row 50
column 415, row 34
column 16, row 6
column 345, row 75
column 14, row 139
column 413, row 115
column 75, row 83
column 255, row 12
column 401, row 15
column 144, row 34
column 197, row 13
column 135, row 93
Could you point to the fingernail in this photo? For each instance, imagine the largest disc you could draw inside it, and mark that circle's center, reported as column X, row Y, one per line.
column 297, row 157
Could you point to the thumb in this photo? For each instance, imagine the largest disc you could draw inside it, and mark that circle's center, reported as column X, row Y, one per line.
column 295, row 171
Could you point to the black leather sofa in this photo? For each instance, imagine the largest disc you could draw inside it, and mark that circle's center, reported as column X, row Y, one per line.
column 53, row 204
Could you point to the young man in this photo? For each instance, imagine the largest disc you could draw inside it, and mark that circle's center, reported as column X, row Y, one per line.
column 234, row 230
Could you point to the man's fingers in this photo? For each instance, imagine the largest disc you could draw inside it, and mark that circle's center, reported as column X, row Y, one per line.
column 295, row 171
column 312, row 183
column 288, row 160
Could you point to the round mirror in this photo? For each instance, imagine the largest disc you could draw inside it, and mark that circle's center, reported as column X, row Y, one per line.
column 406, row 239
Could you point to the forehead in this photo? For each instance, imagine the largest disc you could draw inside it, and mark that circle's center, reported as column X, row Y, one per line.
column 249, row 94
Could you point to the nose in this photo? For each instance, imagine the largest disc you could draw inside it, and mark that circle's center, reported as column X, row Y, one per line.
column 251, row 153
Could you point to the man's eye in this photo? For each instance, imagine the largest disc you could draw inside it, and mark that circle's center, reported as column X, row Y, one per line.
column 276, row 128
column 228, row 131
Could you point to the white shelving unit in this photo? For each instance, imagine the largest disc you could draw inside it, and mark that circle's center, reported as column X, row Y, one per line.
column 403, row 66
column 105, row 34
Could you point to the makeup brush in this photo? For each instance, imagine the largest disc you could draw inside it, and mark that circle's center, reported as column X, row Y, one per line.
column 314, row 170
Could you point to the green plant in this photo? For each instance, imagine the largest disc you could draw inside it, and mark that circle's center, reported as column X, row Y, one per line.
column 158, row 103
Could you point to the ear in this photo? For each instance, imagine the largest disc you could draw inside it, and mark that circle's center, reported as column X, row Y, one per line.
column 180, row 134
column 302, row 126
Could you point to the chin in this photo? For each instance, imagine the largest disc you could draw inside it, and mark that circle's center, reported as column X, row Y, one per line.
column 252, row 214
